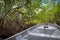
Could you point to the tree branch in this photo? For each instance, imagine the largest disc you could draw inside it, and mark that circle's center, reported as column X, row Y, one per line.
column 13, row 10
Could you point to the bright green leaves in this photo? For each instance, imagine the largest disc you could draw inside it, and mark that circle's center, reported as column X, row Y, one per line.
column 35, row 3
column 57, row 15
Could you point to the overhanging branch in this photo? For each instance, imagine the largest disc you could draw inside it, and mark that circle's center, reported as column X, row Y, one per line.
column 10, row 10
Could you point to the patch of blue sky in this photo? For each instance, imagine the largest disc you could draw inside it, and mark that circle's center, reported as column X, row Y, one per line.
column 58, row 1
column 44, row 4
column 46, row 1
